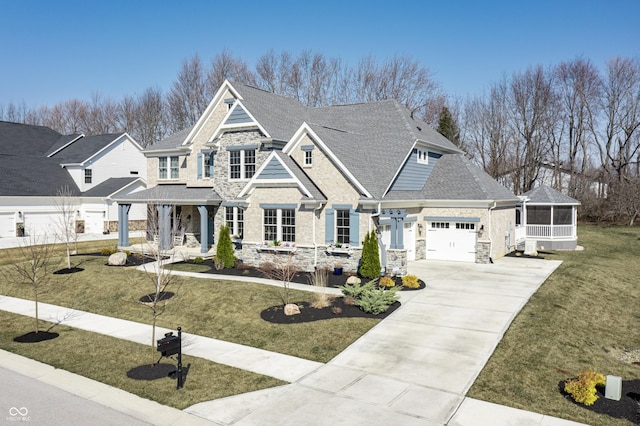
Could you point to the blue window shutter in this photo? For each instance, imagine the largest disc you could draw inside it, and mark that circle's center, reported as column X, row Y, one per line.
column 211, row 164
column 199, row 165
column 329, row 215
column 354, row 228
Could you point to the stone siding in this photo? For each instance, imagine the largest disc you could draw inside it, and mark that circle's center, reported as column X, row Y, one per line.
column 483, row 249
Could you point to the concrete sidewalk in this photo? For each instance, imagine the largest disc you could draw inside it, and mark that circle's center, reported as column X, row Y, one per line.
column 414, row 367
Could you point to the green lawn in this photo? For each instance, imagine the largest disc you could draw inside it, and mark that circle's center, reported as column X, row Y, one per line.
column 226, row 310
column 587, row 307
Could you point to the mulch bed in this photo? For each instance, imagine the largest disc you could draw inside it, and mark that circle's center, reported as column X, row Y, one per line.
column 338, row 309
column 163, row 295
column 152, row 372
column 33, row 337
column 64, row 271
column 299, row 278
column 627, row 408
column 132, row 259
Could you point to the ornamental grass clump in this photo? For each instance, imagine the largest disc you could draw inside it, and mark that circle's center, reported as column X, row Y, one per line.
column 583, row 387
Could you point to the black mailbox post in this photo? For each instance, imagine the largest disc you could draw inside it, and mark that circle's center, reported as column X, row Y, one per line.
column 172, row 345
column 169, row 345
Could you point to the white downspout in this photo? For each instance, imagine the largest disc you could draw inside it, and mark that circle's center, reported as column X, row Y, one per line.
column 490, row 223
column 315, row 244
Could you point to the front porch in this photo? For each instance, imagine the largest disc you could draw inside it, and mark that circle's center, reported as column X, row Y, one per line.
column 180, row 219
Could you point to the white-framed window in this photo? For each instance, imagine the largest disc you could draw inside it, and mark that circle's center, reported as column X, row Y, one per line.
column 242, row 164
column 279, row 225
column 423, row 157
column 87, row 175
column 342, row 226
column 308, row 158
column 235, row 221
column 207, row 164
column 168, row 167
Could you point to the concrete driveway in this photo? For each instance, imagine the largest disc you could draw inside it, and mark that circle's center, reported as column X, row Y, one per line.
column 415, row 366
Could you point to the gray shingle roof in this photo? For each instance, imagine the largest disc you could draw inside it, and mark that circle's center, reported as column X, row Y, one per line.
column 316, row 194
column 24, row 139
column 33, row 176
column 174, row 192
column 370, row 139
column 455, row 177
column 546, row 195
column 84, row 148
column 109, row 186
column 171, row 142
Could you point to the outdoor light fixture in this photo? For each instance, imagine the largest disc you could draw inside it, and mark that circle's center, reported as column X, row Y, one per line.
column 20, row 215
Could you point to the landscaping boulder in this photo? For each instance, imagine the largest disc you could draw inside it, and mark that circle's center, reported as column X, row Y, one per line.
column 353, row 280
column 118, row 259
column 291, row 309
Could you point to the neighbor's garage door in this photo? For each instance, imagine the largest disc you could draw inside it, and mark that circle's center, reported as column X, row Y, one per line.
column 94, row 222
column 48, row 223
column 451, row 241
column 7, row 225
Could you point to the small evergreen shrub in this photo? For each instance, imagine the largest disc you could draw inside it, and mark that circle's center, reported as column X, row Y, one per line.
column 198, row 260
column 224, row 249
column 583, row 387
column 377, row 301
column 410, row 281
column 386, row 282
column 356, row 290
column 370, row 261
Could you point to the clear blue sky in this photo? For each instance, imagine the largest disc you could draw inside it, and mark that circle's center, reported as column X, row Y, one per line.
column 51, row 51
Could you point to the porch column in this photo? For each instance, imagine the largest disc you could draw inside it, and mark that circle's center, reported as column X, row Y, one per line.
column 394, row 234
column 400, row 231
column 204, row 229
column 164, row 227
column 123, row 225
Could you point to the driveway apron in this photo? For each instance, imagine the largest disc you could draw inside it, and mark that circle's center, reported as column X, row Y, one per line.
column 416, row 366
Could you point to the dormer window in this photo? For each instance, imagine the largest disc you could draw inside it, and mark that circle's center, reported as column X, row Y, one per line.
column 423, row 157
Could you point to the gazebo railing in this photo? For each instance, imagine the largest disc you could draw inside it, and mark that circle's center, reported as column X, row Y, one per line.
column 550, row 231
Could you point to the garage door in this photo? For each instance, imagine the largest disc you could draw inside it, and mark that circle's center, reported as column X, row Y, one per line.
column 42, row 223
column 451, row 241
column 7, row 225
column 94, row 222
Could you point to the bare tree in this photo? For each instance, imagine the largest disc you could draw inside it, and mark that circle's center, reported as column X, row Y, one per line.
column 66, row 205
column 188, row 96
column 227, row 67
column 531, row 100
column 36, row 269
column 157, row 277
column 578, row 87
column 283, row 268
column 487, row 133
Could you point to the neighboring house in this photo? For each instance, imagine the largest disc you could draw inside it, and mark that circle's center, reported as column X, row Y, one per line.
column 560, row 178
column 549, row 218
column 312, row 182
column 36, row 163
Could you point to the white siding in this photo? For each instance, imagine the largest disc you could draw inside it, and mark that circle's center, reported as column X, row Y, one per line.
column 118, row 160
